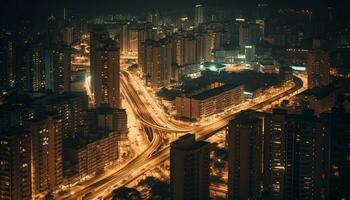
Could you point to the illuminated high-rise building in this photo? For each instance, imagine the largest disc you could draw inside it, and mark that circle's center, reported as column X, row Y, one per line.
column 70, row 107
column 96, row 38
column 36, row 68
column 129, row 40
column 46, row 135
column 295, row 156
column 105, row 73
column 185, row 49
column 317, row 67
column 133, row 40
column 124, row 39
column 204, row 47
column 144, row 33
column 189, row 168
column 157, row 62
column 198, row 14
column 58, row 69
column 15, row 164
column 245, row 157
column 14, row 70
column 274, row 153
column 154, row 18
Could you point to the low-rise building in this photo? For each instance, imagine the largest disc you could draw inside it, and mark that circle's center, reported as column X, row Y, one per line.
column 209, row 102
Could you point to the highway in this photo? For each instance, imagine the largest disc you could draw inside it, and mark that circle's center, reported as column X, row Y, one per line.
column 157, row 152
column 93, row 190
column 204, row 132
column 142, row 111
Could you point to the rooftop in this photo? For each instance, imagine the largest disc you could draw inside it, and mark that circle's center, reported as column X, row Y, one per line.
column 214, row 92
column 188, row 142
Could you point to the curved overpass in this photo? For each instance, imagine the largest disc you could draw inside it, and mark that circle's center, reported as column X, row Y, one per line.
column 152, row 156
column 140, row 108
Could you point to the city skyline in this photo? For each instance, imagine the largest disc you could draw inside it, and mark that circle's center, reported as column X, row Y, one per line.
column 174, row 100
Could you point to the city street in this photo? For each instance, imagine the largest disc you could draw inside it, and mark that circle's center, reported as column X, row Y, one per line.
column 155, row 125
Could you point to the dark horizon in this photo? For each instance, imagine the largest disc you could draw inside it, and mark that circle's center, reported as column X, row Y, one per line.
column 23, row 9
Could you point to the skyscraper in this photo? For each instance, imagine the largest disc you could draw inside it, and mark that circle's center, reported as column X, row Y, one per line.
column 58, row 69
column 70, row 107
column 318, row 68
column 189, row 169
column 245, row 157
column 124, row 39
column 144, row 33
column 157, row 62
column 96, row 38
column 13, row 71
column 105, row 73
column 129, row 40
column 295, row 156
column 203, row 47
column 305, row 157
column 36, row 64
column 15, row 164
column 185, row 49
column 249, row 34
column 46, row 135
column 338, row 165
column 274, row 153
column 154, row 18
column 198, row 14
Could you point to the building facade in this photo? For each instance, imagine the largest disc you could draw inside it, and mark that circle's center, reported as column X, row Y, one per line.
column 245, row 157
column 58, row 69
column 295, row 156
column 15, row 164
column 46, row 136
column 318, row 68
column 209, row 102
column 106, row 81
column 189, row 168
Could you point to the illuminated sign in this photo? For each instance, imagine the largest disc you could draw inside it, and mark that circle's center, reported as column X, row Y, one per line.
column 240, row 20
column 298, row 68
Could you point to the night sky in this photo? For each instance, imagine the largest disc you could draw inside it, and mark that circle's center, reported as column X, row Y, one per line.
column 31, row 9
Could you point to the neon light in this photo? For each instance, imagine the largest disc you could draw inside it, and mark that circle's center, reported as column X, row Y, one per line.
column 298, row 68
